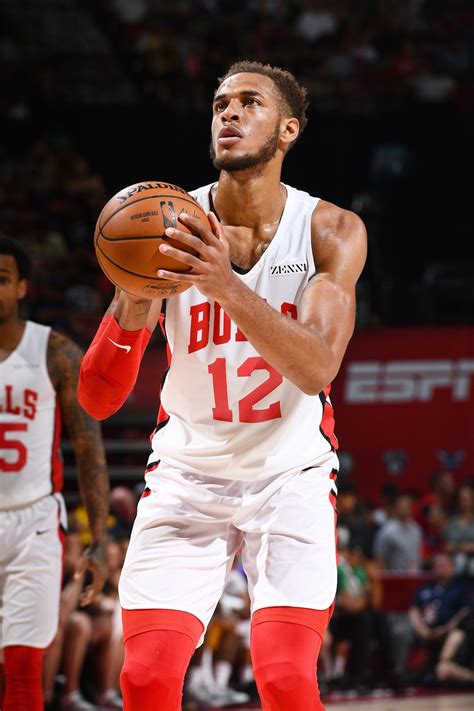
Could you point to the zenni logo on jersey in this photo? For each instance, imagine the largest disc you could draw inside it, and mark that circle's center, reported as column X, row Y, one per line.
column 295, row 268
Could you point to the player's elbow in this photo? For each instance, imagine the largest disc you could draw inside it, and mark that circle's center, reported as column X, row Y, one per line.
column 316, row 381
column 97, row 397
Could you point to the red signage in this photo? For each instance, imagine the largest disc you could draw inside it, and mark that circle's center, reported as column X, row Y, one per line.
column 404, row 406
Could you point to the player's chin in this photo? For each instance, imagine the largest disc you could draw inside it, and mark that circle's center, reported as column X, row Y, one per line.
column 232, row 162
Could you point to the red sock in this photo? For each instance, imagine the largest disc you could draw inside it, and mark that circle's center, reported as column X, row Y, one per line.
column 158, row 647
column 23, row 679
column 285, row 645
column 2, row 684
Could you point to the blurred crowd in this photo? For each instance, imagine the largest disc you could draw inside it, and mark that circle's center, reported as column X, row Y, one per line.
column 351, row 54
column 49, row 200
column 355, row 55
column 404, row 614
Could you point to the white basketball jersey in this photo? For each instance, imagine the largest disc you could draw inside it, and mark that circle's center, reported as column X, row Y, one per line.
column 30, row 459
column 225, row 411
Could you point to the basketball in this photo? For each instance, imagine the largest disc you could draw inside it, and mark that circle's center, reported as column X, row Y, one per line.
column 129, row 232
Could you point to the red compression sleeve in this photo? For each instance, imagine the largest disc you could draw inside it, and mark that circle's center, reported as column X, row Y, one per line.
column 24, row 691
column 285, row 645
column 158, row 647
column 110, row 367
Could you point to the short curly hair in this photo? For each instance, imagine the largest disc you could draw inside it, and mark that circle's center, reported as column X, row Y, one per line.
column 294, row 96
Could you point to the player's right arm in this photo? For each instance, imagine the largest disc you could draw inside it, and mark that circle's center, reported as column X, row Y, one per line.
column 110, row 367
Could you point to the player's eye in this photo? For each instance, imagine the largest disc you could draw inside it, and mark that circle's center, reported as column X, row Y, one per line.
column 220, row 106
column 250, row 101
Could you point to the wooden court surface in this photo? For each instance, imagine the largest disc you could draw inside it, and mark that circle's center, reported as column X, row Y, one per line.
column 448, row 702
column 443, row 702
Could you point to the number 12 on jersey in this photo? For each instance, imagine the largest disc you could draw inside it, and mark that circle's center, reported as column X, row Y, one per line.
column 247, row 410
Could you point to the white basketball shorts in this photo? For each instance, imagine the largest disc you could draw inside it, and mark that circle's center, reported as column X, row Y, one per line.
column 189, row 528
column 30, row 572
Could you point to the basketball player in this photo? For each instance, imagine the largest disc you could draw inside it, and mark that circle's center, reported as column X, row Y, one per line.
column 38, row 380
column 244, row 450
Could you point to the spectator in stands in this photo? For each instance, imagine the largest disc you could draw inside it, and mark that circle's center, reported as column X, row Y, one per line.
column 442, row 494
column 388, row 496
column 227, row 643
column 397, row 545
column 459, row 532
column 123, row 506
column 358, row 617
column 439, row 607
column 355, row 514
column 91, row 632
column 456, row 660
column 434, row 538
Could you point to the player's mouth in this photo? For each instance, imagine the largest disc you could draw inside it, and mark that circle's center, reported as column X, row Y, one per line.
column 228, row 135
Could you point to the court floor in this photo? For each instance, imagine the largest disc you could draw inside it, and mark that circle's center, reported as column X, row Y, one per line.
column 443, row 702
column 448, row 702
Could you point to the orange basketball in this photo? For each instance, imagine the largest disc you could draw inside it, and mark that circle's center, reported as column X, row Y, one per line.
column 131, row 228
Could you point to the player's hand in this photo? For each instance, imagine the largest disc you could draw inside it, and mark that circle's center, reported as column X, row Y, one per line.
column 210, row 270
column 93, row 559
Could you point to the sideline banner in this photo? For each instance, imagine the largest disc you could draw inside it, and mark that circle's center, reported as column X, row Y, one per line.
column 404, row 406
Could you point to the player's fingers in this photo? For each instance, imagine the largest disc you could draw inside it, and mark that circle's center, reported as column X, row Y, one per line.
column 183, row 257
column 215, row 225
column 195, row 225
column 176, row 276
column 196, row 243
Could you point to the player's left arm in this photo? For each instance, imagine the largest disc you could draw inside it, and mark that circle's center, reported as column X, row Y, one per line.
column 308, row 351
column 64, row 360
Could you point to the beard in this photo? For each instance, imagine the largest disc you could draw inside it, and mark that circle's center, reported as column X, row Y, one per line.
column 232, row 164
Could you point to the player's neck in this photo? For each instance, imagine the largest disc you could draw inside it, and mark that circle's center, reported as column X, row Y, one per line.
column 249, row 200
column 11, row 332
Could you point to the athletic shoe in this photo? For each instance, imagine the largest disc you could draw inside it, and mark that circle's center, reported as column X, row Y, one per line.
column 110, row 701
column 230, row 697
column 75, row 702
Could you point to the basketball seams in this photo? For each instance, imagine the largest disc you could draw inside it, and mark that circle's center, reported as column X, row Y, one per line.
column 137, row 274
column 149, row 197
column 132, row 238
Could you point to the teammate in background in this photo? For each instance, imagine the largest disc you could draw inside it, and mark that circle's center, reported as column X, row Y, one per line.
column 38, row 374
column 244, row 450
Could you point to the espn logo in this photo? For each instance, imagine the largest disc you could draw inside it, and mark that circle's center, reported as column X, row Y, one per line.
column 295, row 268
column 407, row 380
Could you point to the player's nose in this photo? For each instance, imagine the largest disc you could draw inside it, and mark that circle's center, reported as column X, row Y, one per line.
column 230, row 113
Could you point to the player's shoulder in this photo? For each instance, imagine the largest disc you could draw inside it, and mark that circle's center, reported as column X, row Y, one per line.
column 339, row 222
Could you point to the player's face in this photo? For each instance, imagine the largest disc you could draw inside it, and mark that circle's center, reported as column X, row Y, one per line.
column 12, row 288
column 246, row 122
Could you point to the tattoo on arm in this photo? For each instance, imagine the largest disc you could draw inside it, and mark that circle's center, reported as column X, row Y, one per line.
column 64, row 359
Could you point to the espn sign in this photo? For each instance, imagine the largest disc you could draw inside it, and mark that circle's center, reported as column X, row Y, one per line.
column 403, row 381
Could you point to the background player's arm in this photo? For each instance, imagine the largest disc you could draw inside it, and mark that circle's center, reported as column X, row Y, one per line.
column 307, row 351
column 64, row 358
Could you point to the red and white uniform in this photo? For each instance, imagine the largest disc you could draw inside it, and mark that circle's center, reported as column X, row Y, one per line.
column 30, row 424
column 227, row 412
column 31, row 508
column 241, row 456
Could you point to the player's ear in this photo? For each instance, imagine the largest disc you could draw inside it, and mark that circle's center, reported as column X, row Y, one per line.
column 290, row 128
column 22, row 288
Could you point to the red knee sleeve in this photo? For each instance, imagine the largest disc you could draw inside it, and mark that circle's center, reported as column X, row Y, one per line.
column 110, row 368
column 2, row 684
column 158, row 647
column 23, row 682
column 285, row 645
